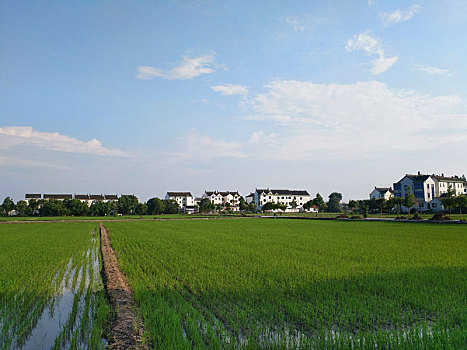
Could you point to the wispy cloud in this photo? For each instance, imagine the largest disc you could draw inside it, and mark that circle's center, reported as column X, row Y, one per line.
column 372, row 46
column 390, row 18
column 230, row 89
column 432, row 70
column 337, row 121
column 297, row 23
column 11, row 136
column 197, row 147
column 189, row 68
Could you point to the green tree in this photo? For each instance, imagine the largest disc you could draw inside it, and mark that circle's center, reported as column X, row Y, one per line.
column 381, row 204
column 409, row 201
column 398, row 201
column 252, row 207
column 205, row 205
column 22, row 208
column 8, row 205
column 75, row 207
column 353, row 205
column 127, row 204
column 100, row 208
column 293, row 204
column 334, row 201
column 242, row 204
column 141, row 209
column 269, row 206
column 461, row 202
column 171, row 206
column 53, row 207
column 448, row 200
column 319, row 202
column 155, row 206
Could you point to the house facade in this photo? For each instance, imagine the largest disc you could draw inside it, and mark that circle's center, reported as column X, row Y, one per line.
column 444, row 182
column 382, row 192
column 227, row 199
column 281, row 196
column 185, row 200
column 427, row 189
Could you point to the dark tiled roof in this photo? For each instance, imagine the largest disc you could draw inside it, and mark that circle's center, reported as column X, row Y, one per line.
column 111, row 196
column 384, row 189
column 81, row 196
column 225, row 193
column 179, row 194
column 58, row 196
column 284, row 192
column 32, row 195
column 251, row 194
column 98, row 197
column 418, row 177
column 446, row 178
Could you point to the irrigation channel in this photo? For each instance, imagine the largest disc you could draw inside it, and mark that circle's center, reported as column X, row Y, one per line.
column 126, row 329
column 73, row 311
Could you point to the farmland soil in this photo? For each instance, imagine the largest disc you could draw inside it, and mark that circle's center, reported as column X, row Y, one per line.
column 126, row 330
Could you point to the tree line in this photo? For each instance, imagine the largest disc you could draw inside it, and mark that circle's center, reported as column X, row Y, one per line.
column 125, row 205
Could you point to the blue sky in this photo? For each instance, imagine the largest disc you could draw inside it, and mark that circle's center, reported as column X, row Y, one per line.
column 150, row 96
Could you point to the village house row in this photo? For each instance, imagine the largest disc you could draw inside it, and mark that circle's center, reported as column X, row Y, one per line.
column 427, row 190
column 292, row 200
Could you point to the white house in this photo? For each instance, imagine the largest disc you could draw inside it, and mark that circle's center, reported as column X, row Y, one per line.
column 185, row 200
column 285, row 197
column 442, row 184
column 32, row 196
column 382, row 192
column 250, row 198
column 427, row 189
column 227, row 199
column 59, row 197
column 423, row 187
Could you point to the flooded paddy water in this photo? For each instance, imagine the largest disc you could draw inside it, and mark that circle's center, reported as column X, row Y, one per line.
column 69, row 314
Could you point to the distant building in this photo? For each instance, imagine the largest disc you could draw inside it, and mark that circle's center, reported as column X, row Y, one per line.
column 250, row 198
column 31, row 196
column 227, row 199
column 59, row 197
column 110, row 198
column 280, row 196
column 185, row 200
column 427, row 189
column 382, row 192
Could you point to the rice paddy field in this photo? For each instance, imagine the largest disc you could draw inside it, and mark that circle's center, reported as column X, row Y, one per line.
column 51, row 292
column 287, row 284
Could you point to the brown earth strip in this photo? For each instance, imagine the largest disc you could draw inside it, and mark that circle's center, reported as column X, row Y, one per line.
column 126, row 329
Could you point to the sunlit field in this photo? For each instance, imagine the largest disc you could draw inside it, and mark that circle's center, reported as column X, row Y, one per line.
column 51, row 292
column 296, row 283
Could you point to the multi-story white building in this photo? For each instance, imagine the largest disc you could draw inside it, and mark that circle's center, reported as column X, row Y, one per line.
column 227, row 199
column 285, row 197
column 185, row 200
column 32, row 196
column 382, row 192
column 443, row 183
column 59, row 197
column 250, row 198
column 427, row 189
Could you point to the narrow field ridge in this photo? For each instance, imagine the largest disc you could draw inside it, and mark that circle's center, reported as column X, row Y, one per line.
column 126, row 329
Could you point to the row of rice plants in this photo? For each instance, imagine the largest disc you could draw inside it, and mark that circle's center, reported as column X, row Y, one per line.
column 291, row 284
column 51, row 293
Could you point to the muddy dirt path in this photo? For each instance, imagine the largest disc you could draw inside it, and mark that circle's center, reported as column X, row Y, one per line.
column 126, row 329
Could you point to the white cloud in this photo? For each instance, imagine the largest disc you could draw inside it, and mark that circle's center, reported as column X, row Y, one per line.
column 297, row 23
column 260, row 136
column 370, row 3
column 189, row 68
column 432, row 70
column 389, row 18
column 337, row 121
column 11, row 136
column 230, row 89
column 372, row 46
column 197, row 147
